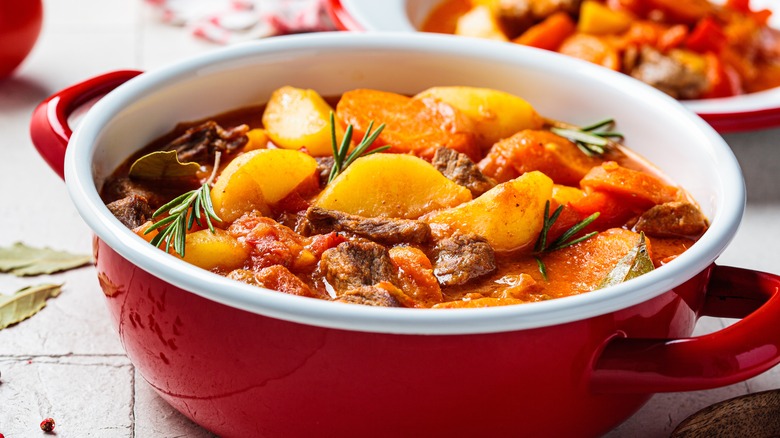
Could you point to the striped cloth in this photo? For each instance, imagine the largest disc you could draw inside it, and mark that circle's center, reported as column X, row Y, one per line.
column 230, row 21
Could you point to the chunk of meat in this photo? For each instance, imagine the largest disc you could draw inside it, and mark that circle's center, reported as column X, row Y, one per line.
column 669, row 74
column 529, row 150
column 519, row 14
column 275, row 277
column 324, row 165
column 123, row 187
column 461, row 258
column 460, row 169
column 672, row 219
column 377, row 296
column 132, row 210
column 384, row 230
column 356, row 263
column 200, row 143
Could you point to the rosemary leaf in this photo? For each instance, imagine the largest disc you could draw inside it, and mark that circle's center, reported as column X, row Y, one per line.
column 580, row 136
column 341, row 158
column 564, row 240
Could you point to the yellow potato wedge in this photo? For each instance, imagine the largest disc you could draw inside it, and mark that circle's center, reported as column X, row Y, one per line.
column 258, row 139
column 597, row 19
column 257, row 179
column 495, row 114
column 217, row 250
column 480, row 22
column 391, row 185
column 296, row 118
column 566, row 194
column 510, row 215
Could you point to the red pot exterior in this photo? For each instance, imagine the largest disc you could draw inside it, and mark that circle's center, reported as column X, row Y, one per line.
column 20, row 24
column 242, row 374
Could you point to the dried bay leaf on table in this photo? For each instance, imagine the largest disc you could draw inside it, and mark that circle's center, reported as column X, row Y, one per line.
column 22, row 260
column 25, row 303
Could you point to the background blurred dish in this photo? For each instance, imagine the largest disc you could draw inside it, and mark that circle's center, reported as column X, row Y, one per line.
column 727, row 114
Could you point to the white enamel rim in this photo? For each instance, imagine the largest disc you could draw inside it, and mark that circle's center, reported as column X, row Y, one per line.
column 81, row 186
column 407, row 16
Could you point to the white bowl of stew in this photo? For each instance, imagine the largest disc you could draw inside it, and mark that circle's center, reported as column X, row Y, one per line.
column 747, row 103
column 242, row 360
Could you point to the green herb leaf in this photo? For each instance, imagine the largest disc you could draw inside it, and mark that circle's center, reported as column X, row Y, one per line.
column 21, row 260
column 340, row 158
column 564, row 240
column 637, row 262
column 161, row 165
column 591, row 139
column 25, row 303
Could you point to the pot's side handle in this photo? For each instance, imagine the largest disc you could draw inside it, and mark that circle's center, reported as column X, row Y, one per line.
column 736, row 353
column 49, row 128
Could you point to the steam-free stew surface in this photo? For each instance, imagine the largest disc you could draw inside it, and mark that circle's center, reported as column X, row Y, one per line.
column 465, row 197
column 690, row 49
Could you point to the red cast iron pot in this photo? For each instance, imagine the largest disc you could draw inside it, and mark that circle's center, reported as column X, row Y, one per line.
column 244, row 361
column 20, row 24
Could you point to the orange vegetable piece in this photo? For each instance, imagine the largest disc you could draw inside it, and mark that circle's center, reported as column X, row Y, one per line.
column 416, row 126
column 686, row 11
column 544, row 151
column 549, row 34
column 591, row 48
column 723, row 79
column 415, row 274
column 637, row 188
column 581, row 267
column 613, row 211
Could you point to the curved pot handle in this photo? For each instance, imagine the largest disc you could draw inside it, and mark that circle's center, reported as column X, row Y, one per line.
column 736, row 353
column 49, row 128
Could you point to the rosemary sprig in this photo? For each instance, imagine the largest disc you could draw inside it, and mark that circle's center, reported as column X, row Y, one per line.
column 565, row 240
column 340, row 158
column 594, row 139
column 172, row 229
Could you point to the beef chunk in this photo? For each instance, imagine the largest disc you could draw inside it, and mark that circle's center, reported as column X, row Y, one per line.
column 461, row 258
column 668, row 74
column 324, row 165
column 369, row 296
column 132, row 210
column 461, row 170
column 356, row 263
column 388, row 231
column 123, row 187
column 518, row 15
column 672, row 219
column 200, row 143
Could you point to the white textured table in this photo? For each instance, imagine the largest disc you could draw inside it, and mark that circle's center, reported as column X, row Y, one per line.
column 67, row 363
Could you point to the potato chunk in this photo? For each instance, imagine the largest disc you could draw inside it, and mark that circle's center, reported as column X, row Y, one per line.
column 391, row 185
column 296, row 118
column 257, row 179
column 598, row 19
column 510, row 215
column 495, row 114
column 218, row 250
column 480, row 22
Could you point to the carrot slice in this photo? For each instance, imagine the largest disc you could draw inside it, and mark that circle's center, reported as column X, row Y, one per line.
column 549, row 34
column 416, row 126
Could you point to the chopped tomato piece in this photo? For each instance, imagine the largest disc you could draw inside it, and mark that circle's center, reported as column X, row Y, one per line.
column 707, row 36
